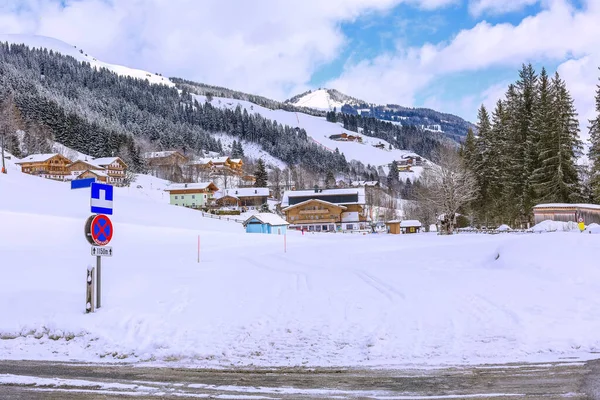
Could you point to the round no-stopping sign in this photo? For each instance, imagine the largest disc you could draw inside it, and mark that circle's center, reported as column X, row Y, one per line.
column 98, row 230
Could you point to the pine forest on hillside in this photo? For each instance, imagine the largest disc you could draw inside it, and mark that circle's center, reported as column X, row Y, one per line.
column 100, row 113
column 526, row 151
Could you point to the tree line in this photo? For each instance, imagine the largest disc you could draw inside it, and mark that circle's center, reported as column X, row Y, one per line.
column 526, row 152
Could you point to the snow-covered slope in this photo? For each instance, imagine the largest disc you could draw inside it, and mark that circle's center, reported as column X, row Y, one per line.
column 319, row 130
column 59, row 46
column 324, row 99
column 330, row 300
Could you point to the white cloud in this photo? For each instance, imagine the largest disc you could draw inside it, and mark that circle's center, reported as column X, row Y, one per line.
column 557, row 33
column 496, row 7
column 266, row 47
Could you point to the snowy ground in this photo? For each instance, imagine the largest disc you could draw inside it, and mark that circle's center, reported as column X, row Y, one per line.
column 330, row 300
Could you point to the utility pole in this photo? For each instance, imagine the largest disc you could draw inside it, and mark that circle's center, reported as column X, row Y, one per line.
column 3, row 163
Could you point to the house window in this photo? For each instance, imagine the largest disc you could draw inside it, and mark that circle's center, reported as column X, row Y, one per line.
column 193, row 196
column 182, row 197
column 349, row 227
column 175, row 197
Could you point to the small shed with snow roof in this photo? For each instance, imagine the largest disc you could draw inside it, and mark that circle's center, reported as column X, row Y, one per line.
column 266, row 223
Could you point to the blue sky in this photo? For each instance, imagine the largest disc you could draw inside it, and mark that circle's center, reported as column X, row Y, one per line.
column 451, row 55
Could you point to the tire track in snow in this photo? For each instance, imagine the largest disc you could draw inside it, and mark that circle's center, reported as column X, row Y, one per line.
column 383, row 288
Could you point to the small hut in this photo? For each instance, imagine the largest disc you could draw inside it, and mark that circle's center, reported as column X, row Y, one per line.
column 393, row 227
column 410, row 226
column 266, row 223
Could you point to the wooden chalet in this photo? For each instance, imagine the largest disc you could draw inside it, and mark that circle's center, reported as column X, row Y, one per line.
column 589, row 213
column 114, row 167
column 78, row 167
column 325, row 209
column 165, row 158
column 344, row 137
column 250, row 197
column 51, row 166
column 315, row 215
column 99, row 175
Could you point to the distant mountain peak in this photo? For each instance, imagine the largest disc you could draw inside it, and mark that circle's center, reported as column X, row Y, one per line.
column 324, row 99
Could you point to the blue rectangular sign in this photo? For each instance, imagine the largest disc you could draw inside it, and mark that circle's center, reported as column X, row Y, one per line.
column 102, row 198
column 82, row 183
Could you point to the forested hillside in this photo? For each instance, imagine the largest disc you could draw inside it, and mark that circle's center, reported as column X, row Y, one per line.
column 100, row 113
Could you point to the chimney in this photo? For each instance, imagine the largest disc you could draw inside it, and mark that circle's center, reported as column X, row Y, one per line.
column 255, row 191
column 316, row 189
column 185, row 185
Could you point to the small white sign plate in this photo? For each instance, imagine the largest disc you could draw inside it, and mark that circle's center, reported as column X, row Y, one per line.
column 102, row 251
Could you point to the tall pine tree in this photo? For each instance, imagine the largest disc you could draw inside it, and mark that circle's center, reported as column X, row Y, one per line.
column 594, row 153
column 260, row 174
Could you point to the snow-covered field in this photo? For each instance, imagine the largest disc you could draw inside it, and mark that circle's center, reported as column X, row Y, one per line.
column 330, row 300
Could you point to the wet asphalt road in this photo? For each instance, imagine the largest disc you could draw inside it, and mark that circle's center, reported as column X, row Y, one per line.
column 49, row 380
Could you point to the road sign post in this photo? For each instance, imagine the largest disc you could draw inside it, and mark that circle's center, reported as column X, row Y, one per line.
column 99, row 230
column 90, row 299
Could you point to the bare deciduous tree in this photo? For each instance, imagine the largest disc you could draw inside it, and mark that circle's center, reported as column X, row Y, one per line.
column 9, row 123
column 447, row 186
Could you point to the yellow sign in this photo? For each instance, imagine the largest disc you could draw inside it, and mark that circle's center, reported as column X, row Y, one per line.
column 581, row 226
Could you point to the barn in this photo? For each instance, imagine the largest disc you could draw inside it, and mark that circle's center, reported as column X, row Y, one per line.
column 266, row 223
column 589, row 213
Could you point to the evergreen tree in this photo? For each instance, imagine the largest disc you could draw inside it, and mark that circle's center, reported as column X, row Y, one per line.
column 468, row 150
column 260, row 174
column 557, row 180
column 329, row 180
column 393, row 178
column 594, row 152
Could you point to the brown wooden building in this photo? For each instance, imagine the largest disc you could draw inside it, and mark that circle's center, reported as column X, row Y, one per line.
column 100, row 176
column 51, row 166
column 323, row 216
column 393, row 227
column 347, row 206
column 590, row 213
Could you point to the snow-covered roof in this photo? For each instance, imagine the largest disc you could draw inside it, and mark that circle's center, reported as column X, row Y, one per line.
column 268, row 218
column 219, row 159
column 37, row 158
column 409, row 223
column 242, row 192
column 96, row 172
column 567, row 205
column 236, row 160
column 394, row 221
column 189, row 186
column 312, row 200
column 285, row 201
column 103, row 161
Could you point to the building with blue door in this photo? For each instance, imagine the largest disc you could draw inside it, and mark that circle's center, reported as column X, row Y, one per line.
column 266, row 223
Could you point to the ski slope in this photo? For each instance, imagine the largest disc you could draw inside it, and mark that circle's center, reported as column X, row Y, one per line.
column 330, row 300
column 66, row 49
column 319, row 129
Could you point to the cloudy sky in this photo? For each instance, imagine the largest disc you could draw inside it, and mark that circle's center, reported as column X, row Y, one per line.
column 450, row 55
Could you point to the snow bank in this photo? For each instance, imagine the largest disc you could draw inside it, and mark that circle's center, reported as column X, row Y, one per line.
column 330, row 300
column 592, row 228
column 504, row 228
column 555, row 226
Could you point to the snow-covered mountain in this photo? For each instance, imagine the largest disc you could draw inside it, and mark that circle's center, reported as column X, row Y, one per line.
column 43, row 42
column 324, row 99
column 330, row 99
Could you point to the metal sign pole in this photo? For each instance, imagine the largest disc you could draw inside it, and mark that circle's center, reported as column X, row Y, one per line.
column 98, row 281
